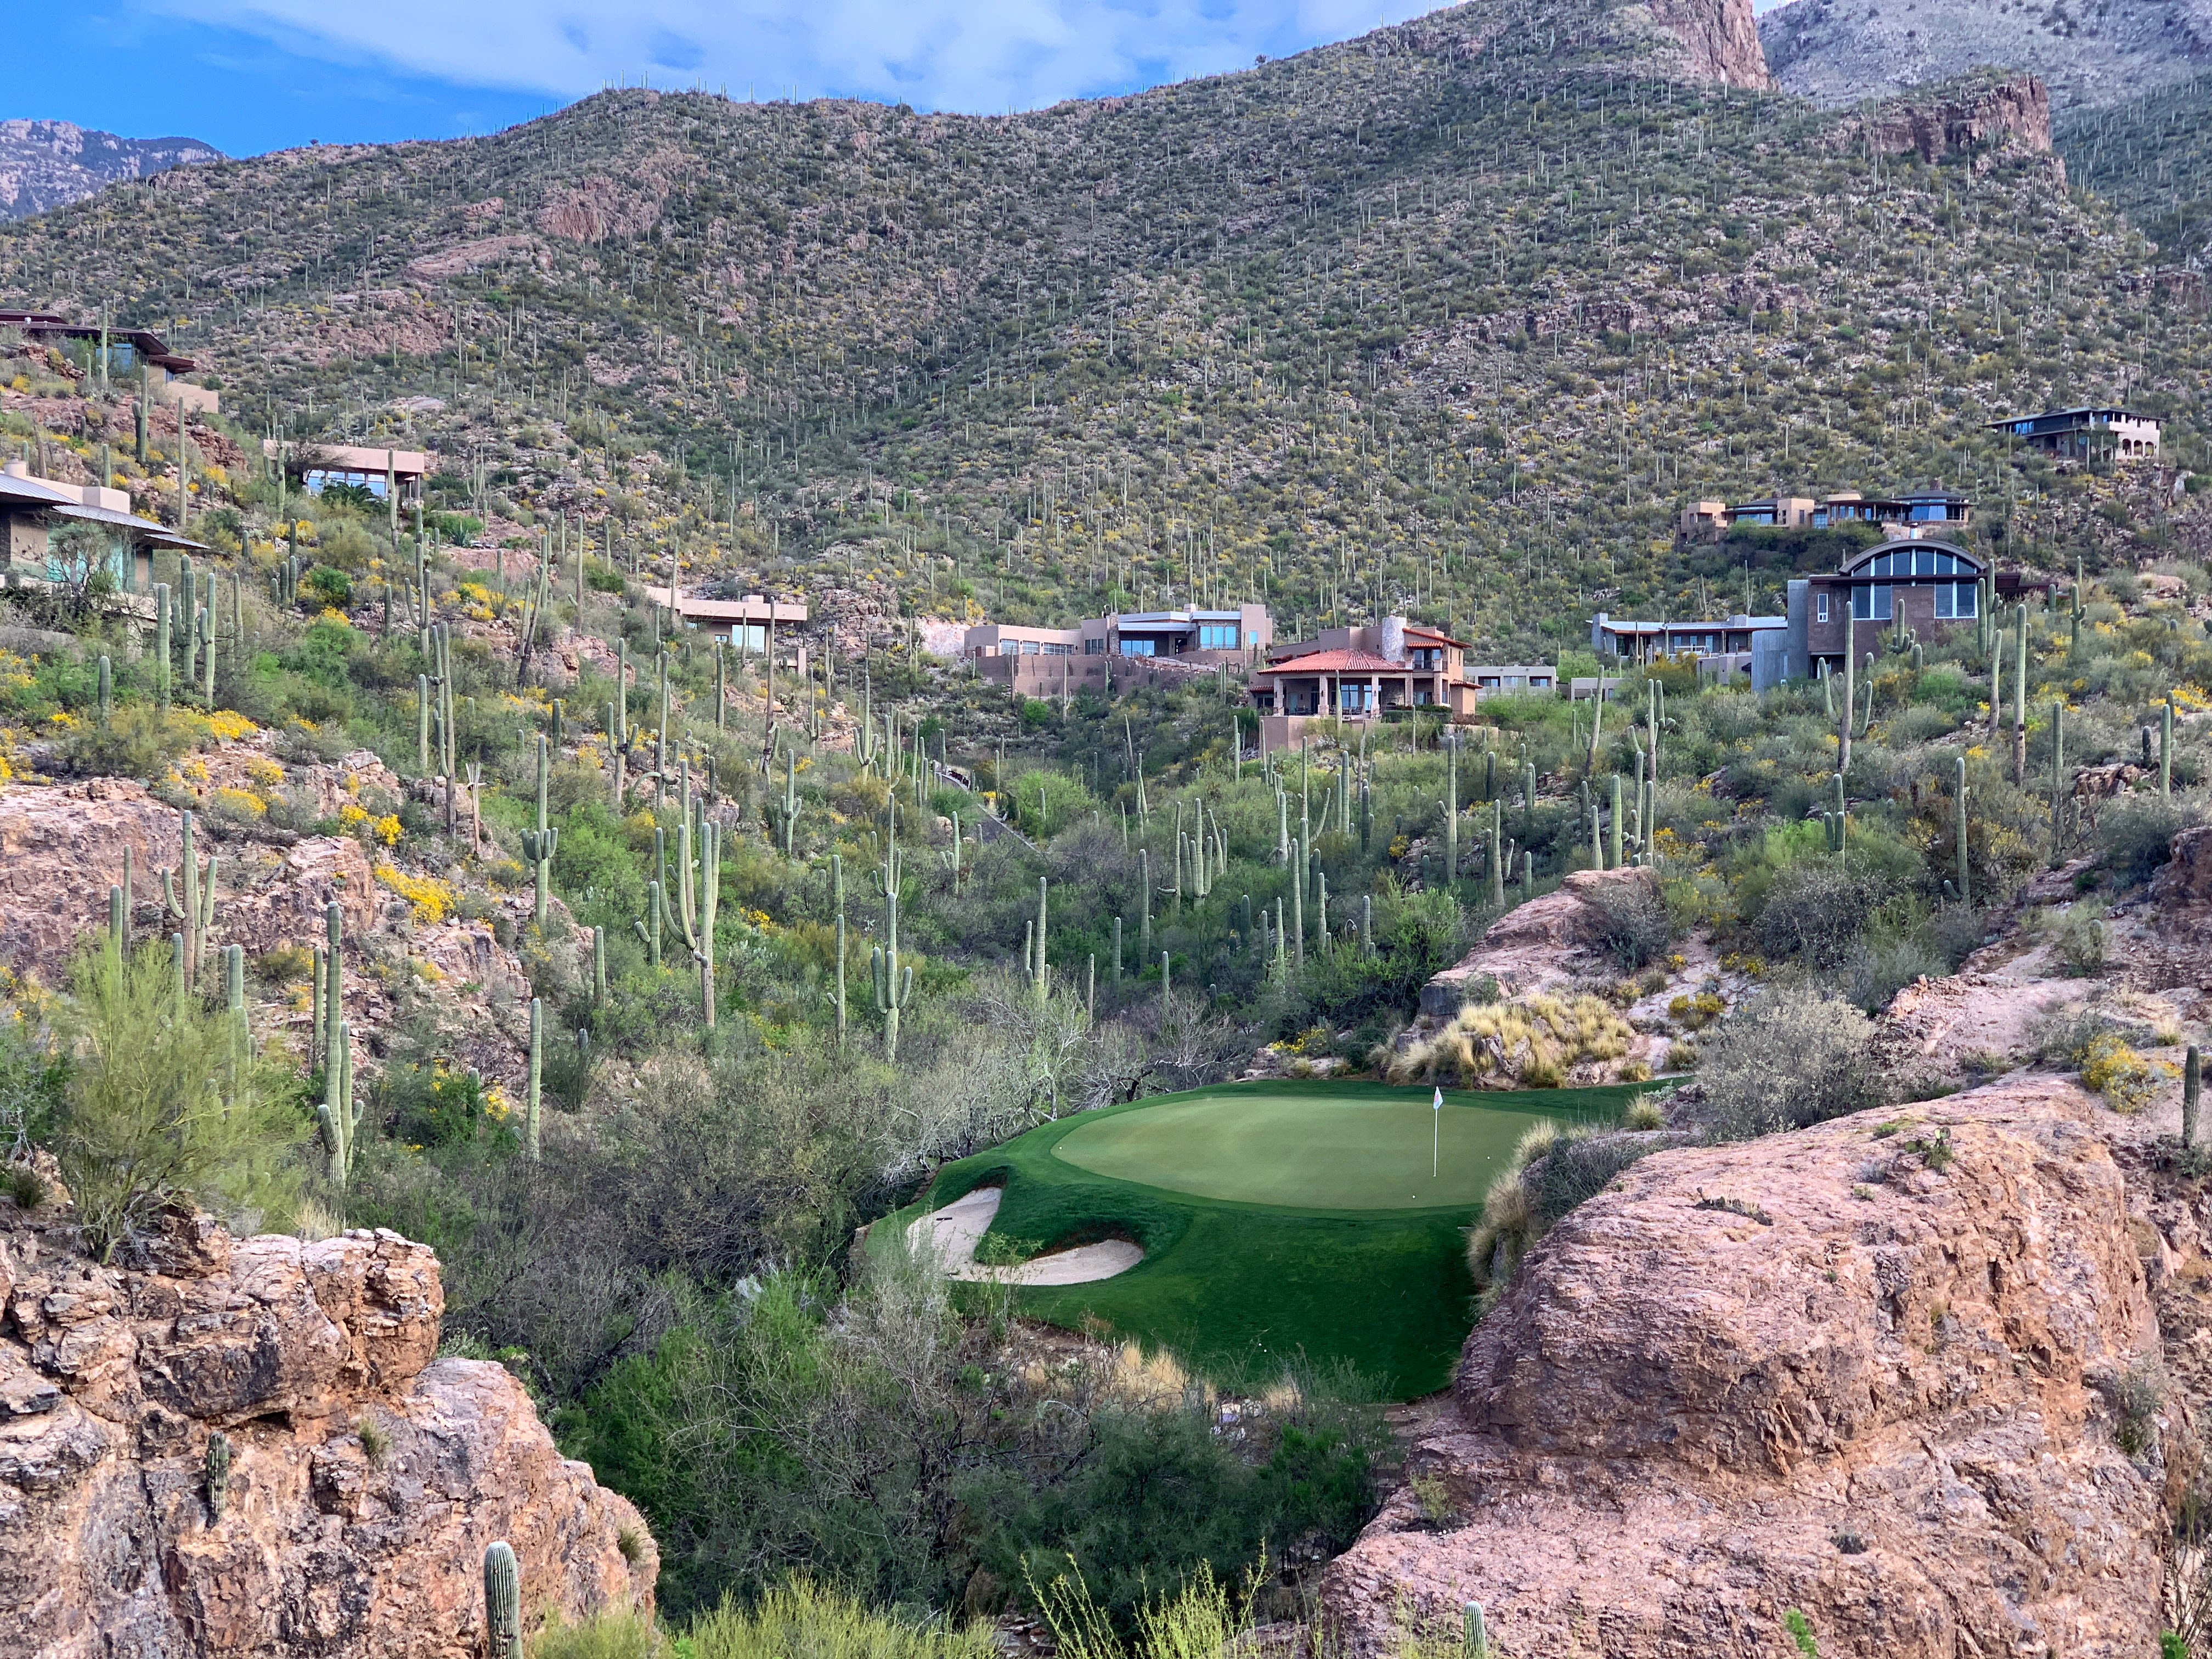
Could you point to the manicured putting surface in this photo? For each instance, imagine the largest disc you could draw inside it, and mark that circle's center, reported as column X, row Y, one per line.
column 1281, row 1223
column 1303, row 1151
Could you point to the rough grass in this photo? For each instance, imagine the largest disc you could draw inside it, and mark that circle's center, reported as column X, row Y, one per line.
column 1240, row 1289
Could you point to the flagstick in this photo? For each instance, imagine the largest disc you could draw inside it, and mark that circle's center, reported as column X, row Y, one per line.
column 1436, row 1142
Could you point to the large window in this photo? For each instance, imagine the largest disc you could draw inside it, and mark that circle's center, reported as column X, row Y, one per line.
column 1823, row 601
column 1957, row 599
column 1095, row 646
column 1871, row 604
column 1056, row 650
column 1217, row 636
column 1138, row 647
column 1920, row 562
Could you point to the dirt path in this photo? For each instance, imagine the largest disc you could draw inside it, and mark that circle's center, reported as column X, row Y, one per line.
column 960, row 1225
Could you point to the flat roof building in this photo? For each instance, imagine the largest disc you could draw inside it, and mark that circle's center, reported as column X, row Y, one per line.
column 316, row 466
column 2088, row 434
column 33, row 509
column 1118, row 651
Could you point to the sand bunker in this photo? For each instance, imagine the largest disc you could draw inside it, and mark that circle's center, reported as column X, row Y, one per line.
column 956, row 1229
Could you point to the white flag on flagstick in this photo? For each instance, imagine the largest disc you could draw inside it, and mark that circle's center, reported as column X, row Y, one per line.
column 1436, row 1130
column 1438, row 1104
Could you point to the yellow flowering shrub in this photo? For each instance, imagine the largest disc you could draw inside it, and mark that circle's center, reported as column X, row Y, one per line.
column 241, row 803
column 265, row 772
column 433, row 900
column 2124, row 1078
column 352, row 816
column 386, row 829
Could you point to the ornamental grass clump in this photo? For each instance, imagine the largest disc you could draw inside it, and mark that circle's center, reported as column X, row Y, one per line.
column 1536, row 1043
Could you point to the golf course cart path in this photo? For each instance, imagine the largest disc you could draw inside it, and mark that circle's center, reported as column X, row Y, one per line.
column 960, row 1225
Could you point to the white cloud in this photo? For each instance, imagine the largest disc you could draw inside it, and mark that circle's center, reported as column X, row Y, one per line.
column 972, row 55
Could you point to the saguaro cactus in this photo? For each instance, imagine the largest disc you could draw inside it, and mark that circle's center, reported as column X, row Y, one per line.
column 1040, row 976
column 1966, row 892
column 190, row 900
column 539, row 845
column 2166, row 746
column 894, row 984
column 837, row 895
column 502, row 1578
column 107, row 690
column 340, row 1113
column 2192, row 1084
column 536, row 1074
column 161, row 643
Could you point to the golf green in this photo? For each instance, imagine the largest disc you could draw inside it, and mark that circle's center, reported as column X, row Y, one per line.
column 1283, row 1223
column 1304, row 1151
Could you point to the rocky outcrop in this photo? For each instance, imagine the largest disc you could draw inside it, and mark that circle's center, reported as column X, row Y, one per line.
column 61, row 849
column 1534, row 947
column 365, row 1477
column 1721, row 37
column 1948, row 120
column 1851, row 1371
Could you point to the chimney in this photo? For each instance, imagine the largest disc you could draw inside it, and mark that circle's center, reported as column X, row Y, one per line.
column 1394, row 639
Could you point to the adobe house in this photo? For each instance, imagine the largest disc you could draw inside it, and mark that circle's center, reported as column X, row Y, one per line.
column 2090, row 434
column 128, row 350
column 746, row 625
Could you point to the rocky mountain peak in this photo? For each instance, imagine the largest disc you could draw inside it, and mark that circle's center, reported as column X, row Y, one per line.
column 46, row 164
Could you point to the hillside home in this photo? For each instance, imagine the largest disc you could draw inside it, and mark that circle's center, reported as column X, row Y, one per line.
column 1643, row 641
column 746, row 625
column 1919, row 583
column 1111, row 654
column 2085, row 434
column 128, row 350
column 1710, row 519
column 32, row 510
column 1369, row 673
column 313, row 467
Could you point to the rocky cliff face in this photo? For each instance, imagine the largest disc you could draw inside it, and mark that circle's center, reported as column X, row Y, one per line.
column 63, row 846
column 1946, row 120
column 1837, row 51
column 365, row 1476
column 1852, row 1371
column 1721, row 37
column 43, row 164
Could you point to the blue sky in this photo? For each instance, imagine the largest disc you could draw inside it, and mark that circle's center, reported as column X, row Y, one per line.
column 248, row 76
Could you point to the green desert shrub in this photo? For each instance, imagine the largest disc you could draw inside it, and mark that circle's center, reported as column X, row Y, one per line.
column 165, row 1102
column 1816, row 911
column 2135, row 834
column 1633, row 920
column 1797, row 1055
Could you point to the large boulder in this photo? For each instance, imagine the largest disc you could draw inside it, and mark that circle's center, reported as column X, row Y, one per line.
column 1538, row 946
column 1851, row 1371
column 366, row 1477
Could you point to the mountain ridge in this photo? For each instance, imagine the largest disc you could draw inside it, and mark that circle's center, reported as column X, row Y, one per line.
column 50, row 164
column 1839, row 52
